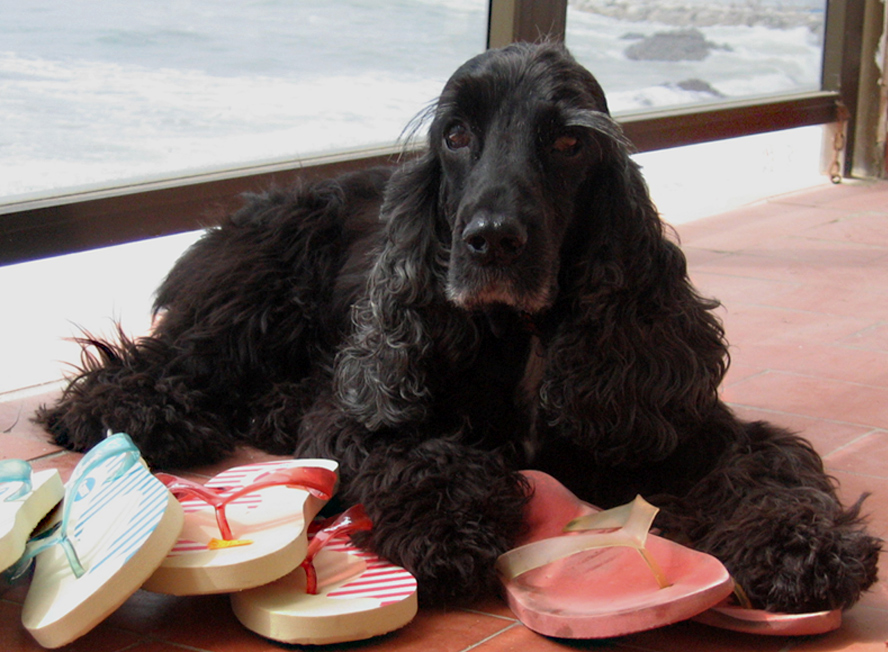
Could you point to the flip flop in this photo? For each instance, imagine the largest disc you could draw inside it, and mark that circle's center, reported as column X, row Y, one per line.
column 26, row 496
column 117, row 523
column 606, row 575
column 246, row 527
column 729, row 615
column 339, row 594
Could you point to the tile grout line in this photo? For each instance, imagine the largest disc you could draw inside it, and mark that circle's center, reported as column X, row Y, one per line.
column 54, row 454
column 132, row 646
column 485, row 613
column 31, row 390
column 855, row 474
column 18, row 417
column 492, row 636
column 802, row 311
column 799, row 374
column 872, row 431
column 838, row 422
column 727, row 385
column 154, row 639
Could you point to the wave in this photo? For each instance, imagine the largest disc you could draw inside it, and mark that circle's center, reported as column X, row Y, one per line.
column 98, row 91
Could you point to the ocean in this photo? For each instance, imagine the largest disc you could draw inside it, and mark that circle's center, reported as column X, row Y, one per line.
column 104, row 92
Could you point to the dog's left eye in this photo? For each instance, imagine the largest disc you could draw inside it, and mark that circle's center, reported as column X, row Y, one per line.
column 458, row 136
column 567, row 145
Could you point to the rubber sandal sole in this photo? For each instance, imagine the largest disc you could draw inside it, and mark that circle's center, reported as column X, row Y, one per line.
column 606, row 592
column 122, row 529
column 360, row 596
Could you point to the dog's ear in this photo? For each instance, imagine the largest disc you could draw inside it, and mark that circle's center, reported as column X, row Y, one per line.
column 403, row 320
column 638, row 352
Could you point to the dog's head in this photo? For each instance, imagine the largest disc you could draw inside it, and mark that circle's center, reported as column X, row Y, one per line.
column 527, row 198
column 517, row 132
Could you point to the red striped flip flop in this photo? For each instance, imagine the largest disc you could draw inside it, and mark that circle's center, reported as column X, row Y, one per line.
column 340, row 593
column 246, row 527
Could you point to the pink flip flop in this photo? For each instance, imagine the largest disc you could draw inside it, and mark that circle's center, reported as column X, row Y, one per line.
column 727, row 615
column 607, row 576
column 339, row 594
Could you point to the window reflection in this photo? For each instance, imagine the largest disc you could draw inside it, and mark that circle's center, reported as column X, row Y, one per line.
column 101, row 91
column 660, row 53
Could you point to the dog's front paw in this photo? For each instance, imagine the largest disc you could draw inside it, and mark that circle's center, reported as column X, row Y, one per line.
column 445, row 513
column 803, row 556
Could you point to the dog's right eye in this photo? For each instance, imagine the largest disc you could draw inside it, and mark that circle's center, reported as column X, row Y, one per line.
column 567, row 145
column 458, row 136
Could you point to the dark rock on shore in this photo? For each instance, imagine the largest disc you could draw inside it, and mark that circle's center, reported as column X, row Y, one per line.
column 680, row 13
column 677, row 45
column 699, row 86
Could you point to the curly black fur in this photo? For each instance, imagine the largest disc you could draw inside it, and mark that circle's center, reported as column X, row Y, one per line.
column 508, row 299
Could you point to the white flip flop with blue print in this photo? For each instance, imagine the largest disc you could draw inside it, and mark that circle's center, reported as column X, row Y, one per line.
column 117, row 524
column 26, row 496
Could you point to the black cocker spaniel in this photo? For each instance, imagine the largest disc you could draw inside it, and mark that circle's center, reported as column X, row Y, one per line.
column 507, row 300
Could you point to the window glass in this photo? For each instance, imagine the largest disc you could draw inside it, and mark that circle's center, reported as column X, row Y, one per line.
column 98, row 92
column 650, row 54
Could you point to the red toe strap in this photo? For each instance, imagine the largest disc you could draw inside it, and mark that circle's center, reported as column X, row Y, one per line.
column 318, row 481
column 354, row 519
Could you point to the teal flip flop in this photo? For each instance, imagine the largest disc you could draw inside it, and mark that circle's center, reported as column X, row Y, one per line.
column 116, row 526
column 26, row 496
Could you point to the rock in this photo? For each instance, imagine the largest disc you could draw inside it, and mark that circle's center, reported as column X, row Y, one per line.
column 699, row 86
column 678, row 45
column 801, row 13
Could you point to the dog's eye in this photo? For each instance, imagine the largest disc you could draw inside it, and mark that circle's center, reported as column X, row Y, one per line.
column 458, row 136
column 567, row 145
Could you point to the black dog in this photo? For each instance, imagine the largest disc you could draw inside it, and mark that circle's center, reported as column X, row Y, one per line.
column 507, row 300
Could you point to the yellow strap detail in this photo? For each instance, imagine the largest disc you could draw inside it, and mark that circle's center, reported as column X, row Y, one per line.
column 218, row 544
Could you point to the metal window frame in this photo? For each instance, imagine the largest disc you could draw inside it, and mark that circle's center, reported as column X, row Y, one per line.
column 80, row 221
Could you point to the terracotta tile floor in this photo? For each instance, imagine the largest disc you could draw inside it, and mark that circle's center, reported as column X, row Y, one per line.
column 804, row 283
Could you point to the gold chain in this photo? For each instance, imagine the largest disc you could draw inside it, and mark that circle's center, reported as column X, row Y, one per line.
column 835, row 170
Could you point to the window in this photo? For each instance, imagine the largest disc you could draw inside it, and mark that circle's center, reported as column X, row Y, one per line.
column 648, row 54
column 238, row 130
column 98, row 93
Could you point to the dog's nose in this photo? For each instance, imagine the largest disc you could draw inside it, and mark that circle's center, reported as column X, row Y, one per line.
column 494, row 239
